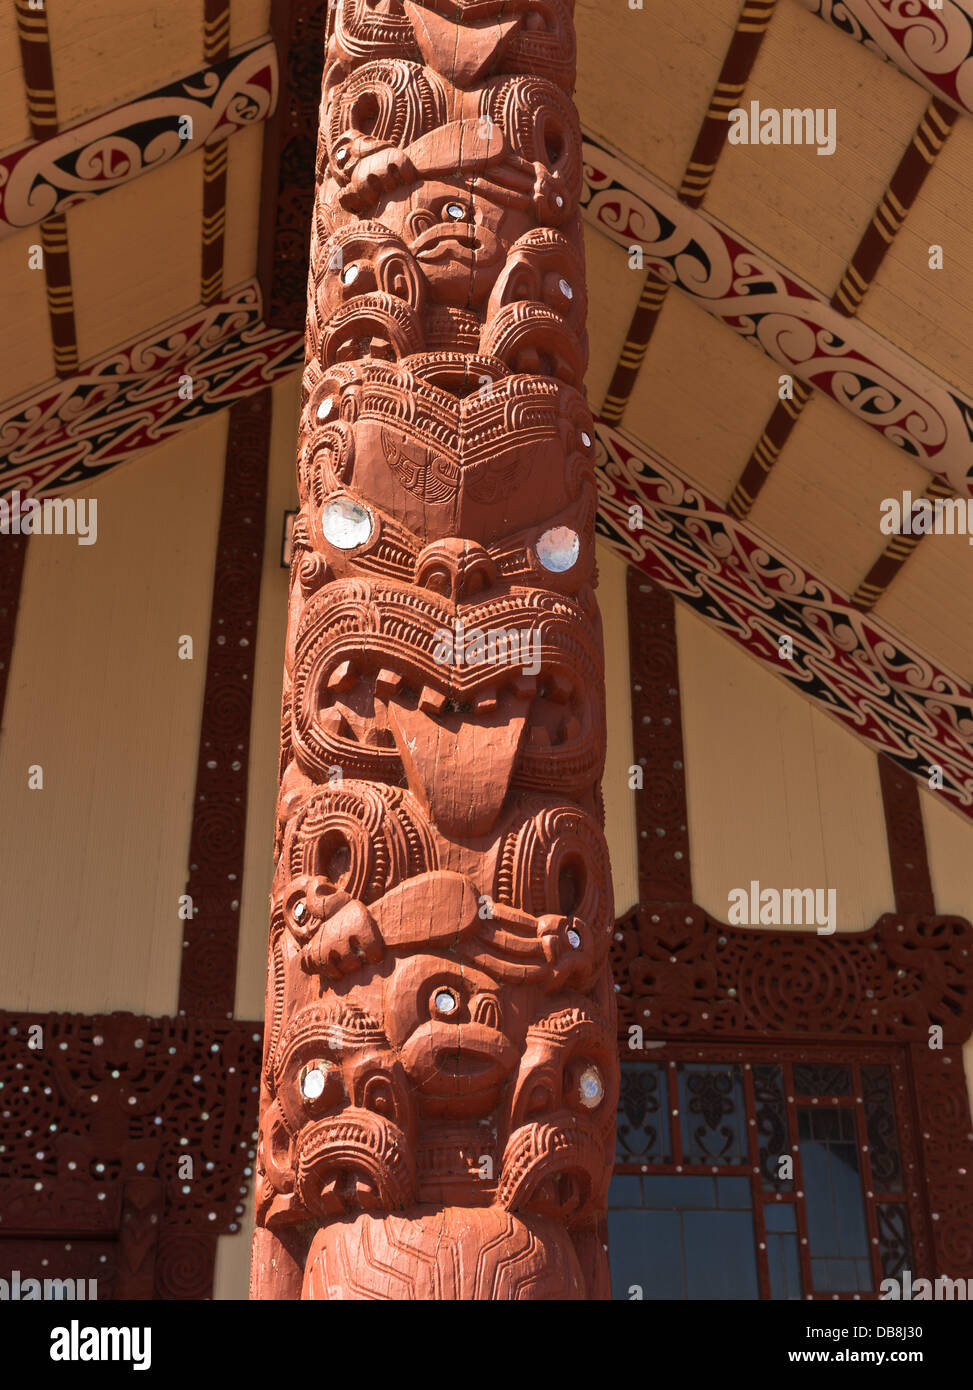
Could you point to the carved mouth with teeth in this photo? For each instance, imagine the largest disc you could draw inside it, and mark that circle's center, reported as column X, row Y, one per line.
column 554, row 1169
column 377, row 692
column 356, row 695
column 354, row 1160
column 372, row 721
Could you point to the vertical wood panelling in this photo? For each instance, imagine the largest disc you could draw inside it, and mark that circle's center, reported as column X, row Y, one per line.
column 242, row 206
column 620, row 831
column 99, row 699
column 231, row 1280
column 14, row 121
column 777, row 792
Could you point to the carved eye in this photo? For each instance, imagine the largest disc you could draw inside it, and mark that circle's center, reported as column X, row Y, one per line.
column 320, row 1086
column 365, row 113
column 325, row 408
column 445, row 1003
column 313, row 1081
column 349, row 275
column 591, row 1088
column 345, row 524
column 455, row 212
column 558, row 549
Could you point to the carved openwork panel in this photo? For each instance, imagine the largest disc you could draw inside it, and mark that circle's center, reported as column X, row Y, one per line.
column 440, row 1073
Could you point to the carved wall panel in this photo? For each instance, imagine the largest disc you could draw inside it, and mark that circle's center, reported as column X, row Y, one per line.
column 440, row 1071
column 126, row 1146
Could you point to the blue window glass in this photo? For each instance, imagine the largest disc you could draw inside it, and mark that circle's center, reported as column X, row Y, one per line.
column 837, row 1233
column 681, row 1236
column 784, row 1265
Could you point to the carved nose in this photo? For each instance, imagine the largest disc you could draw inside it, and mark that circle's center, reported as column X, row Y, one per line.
column 456, row 569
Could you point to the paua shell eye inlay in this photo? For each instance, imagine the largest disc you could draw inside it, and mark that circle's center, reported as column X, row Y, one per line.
column 558, row 549
column 345, row 523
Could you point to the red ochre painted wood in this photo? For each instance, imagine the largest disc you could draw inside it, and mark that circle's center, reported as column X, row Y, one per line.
column 440, row 1073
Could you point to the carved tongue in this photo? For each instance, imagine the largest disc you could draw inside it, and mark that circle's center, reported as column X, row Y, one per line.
column 459, row 776
column 460, row 53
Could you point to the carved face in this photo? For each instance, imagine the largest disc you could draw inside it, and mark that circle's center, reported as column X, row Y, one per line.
column 342, row 1128
column 457, row 1032
column 371, row 700
column 562, row 1115
column 486, row 457
column 458, row 239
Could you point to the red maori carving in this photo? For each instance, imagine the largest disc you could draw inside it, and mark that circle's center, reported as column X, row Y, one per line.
column 440, row 1073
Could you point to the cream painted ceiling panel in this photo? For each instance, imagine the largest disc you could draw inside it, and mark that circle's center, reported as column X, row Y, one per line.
column 135, row 255
column 931, row 601
column 249, row 21
column 777, row 791
column 808, row 211
column 613, row 294
column 645, row 76
column 926, row 311
column 99, row 699
column 822, row 500
column 245, row 153
column 105, row 52
column 14, row 122
column 26, row 351
column 703, row 395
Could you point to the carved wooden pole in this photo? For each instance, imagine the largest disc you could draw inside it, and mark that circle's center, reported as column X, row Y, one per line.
column 440, row 1067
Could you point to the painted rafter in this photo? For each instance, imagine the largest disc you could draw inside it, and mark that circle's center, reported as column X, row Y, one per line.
column 884, row 388
column 35, row 57
column 139, row 393
column 740, row 57
column 898, row 550
column 102, row 152
column 851, row 664
column 741, row 54
column 216, row 49
column 932, row 46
